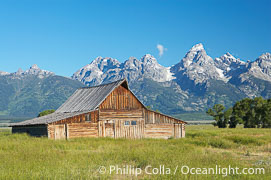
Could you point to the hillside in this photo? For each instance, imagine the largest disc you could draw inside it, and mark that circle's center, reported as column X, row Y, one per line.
column 26, row 94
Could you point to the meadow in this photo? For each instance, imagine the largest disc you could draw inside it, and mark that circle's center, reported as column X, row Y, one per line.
column 205, row 146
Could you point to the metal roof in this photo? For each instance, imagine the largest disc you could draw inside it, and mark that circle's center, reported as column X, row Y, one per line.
column 88, row 98
column 48, row 118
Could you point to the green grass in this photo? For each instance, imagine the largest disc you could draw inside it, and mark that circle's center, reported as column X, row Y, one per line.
column 24, row 157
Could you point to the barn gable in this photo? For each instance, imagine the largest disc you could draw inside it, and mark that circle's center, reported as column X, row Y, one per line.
column 121, row 98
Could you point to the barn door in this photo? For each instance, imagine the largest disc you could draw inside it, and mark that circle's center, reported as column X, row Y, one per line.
column 60, row 131
column 177, row 130
column 109, row 129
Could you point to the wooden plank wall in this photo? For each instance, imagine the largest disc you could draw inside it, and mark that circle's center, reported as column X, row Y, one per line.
column 117, row 127
column 82, row 130
column 75, row 124
column 177, row 130
column 183, row 130
column 120, row 106
column 79, row 118
column 152, row 117
column 164, row 131
column 162, row 126
column 121, row 98
column 129, row 131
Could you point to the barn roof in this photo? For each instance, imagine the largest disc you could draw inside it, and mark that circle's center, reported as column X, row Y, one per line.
column 50, row 118
column 89, row 98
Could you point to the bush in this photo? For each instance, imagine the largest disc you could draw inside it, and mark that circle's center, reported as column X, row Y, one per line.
column 46, row 112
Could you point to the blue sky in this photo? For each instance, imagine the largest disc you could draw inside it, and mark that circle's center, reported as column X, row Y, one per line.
column 64, row 35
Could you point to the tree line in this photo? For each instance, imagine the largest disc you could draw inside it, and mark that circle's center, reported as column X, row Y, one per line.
column 252, row 113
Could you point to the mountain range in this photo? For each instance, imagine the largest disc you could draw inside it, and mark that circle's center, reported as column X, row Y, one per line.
column 26, row 93
column 194, row 84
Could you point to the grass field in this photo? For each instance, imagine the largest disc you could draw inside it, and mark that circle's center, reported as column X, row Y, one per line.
column 24, row 157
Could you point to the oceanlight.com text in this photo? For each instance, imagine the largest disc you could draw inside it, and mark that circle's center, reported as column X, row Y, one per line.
column 183, row 170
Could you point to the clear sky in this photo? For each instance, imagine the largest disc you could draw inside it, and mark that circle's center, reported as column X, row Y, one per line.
column 64, row 35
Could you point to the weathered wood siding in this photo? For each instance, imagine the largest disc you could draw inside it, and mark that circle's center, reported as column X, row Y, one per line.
column 79, row 118
column 152, row 117
column 112, row 123
column 82, row 130
column 121, row 99
column 179, row 130
column 119, row 107
column 162, row 126
column 118, row 129
column 76, row 126
column 183, row 130
column 164, row 131
column 34, row 130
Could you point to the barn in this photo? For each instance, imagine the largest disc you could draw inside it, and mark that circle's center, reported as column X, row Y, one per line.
column 108, row 110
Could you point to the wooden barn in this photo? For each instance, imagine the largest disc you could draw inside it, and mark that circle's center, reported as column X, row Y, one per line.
column 109, row 110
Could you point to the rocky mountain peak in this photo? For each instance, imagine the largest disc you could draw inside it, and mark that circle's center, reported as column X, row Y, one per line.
column 197, row 66
column 35, row 70
column 148, row 59
column 265, row 56
column 19, row 71
column 197, row 56
column 228, row 56
column 34, row 66
column 197, row 47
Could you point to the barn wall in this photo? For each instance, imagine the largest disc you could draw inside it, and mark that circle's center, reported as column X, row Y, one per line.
column 164, row 131
column 183, row 130
column 112, row 123
column 82, row 130
column 37, row 130
column 119, row 107
column 76, row 126
column 79, row 118
column 162, row 126
column 152, row 117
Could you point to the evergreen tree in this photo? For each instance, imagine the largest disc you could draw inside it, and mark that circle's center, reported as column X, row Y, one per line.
column 266, row 112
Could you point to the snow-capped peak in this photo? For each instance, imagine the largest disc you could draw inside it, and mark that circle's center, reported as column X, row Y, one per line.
column 229, row 56
column 34, row 66
column 197, row 47
column 148, row 59
column 265, row 56
column 35, row 70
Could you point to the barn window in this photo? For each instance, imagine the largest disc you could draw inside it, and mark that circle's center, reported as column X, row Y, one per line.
column 87, row 117
column 133, row 123
column 127, row 123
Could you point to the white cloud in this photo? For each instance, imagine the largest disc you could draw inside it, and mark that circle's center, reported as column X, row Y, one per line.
column 161, row 49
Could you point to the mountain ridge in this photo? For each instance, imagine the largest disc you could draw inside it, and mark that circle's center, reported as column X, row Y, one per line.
column 198, row 80
column 195, row 83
